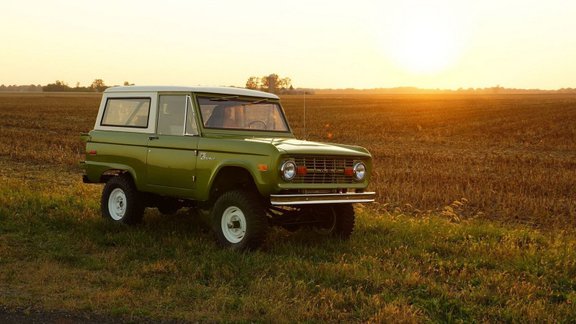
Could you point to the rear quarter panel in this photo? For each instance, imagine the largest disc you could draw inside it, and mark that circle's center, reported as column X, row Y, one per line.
column 108, row 150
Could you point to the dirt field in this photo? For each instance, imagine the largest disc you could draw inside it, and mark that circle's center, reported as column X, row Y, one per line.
column 475, row 221
column 505, row 157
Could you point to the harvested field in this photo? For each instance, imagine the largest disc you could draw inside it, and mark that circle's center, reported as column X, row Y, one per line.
column 475, row 221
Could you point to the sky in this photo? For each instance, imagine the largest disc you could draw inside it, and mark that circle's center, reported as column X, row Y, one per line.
column 444, row 44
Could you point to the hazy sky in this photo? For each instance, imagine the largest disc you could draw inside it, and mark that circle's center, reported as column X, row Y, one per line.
column 320, row 44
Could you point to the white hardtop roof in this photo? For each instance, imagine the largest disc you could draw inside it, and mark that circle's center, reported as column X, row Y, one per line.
column 215, row 90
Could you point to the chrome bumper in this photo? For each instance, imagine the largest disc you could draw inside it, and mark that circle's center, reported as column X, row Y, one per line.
column 310, row 199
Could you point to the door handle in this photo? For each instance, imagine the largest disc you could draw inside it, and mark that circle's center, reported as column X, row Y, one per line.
column 153, row 137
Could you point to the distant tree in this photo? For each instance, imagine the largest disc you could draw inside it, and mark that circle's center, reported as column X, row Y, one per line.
column 126, row 83
column 253, row 83
column 285, row 84
column 98, row 85
column 56, row 86
column 270, row 83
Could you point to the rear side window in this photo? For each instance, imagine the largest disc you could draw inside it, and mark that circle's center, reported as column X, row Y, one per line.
column 126, row 112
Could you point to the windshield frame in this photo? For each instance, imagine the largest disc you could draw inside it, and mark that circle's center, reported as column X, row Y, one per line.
column 241, row 101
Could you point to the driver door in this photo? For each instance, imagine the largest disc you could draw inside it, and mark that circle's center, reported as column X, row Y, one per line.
column 172, row 150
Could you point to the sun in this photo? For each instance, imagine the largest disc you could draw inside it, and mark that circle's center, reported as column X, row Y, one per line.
column 424, row 50
column 421, row 40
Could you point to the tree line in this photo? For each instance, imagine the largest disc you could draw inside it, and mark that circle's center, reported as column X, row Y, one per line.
column 97, row 85
column 270, row 83
column 275, row 84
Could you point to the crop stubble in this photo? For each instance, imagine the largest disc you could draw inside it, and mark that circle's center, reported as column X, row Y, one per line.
column 505, row 157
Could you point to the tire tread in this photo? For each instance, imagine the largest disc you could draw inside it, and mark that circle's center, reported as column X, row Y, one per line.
column 134, row 209
column 253, row 209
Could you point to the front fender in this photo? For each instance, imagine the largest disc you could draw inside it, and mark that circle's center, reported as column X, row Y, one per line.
column 259, row 168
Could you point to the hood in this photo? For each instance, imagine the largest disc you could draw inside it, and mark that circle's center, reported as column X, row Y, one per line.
column 294, row 146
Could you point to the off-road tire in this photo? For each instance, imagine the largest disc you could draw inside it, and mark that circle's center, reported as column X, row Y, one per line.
column 239, row 220
column 336, row 220
column 121, row 202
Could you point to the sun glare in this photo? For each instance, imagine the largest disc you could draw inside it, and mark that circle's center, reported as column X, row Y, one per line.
column 421, row 40
column 424, row 50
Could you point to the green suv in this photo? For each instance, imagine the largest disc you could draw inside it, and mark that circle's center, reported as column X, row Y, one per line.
column 227, row 152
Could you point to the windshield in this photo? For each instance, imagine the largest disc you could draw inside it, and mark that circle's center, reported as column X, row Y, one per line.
column 240, row 114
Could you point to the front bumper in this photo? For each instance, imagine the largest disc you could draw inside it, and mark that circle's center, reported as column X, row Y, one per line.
column 314, row 199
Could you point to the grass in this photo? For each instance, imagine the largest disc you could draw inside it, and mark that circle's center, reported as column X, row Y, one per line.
column 424, row 254
column 56, row 253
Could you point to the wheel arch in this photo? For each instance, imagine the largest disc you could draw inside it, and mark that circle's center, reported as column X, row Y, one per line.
column 231, row 177
column 121, row 201
column 115, row 172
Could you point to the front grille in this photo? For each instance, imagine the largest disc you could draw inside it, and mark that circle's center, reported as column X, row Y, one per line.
column 324, row 169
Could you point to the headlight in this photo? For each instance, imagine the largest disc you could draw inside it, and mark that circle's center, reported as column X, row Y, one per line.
column 359, row 171
column 288, row 170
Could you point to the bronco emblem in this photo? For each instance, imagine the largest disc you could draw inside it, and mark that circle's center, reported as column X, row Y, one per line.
column 204, row 156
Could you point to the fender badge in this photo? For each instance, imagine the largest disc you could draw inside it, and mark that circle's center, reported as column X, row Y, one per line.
column 204, row 156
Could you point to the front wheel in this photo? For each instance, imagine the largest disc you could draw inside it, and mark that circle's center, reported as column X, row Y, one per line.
column 121, row 201
column 239, row 220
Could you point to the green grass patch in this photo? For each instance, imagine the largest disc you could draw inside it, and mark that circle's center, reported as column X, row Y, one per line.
column 56, row 252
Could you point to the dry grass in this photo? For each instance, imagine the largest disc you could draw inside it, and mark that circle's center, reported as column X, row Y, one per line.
column 458, row 162
column 45, row 128
column 505, row 157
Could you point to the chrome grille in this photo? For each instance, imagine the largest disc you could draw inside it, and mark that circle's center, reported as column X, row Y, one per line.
column 324, row 169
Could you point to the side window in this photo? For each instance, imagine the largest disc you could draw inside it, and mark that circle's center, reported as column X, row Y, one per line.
column 126, row 112
column 171, row 115
column 191, row 126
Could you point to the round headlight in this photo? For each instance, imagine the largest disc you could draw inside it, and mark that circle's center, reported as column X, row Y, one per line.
column 359, row 171
column 288, row 170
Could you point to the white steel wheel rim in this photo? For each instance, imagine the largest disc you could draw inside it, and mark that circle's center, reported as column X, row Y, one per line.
column 233, row 224
column 117, row 204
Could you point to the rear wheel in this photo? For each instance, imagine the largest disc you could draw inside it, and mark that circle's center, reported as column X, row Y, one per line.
column 239, row 220
column 121, row 201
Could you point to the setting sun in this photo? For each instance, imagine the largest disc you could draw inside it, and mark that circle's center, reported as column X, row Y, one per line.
column 425, row 50
column 361, row 44
column 422, row 39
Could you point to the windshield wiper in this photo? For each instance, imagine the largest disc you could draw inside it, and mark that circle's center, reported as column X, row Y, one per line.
column 224, row 98
column 259, row 101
